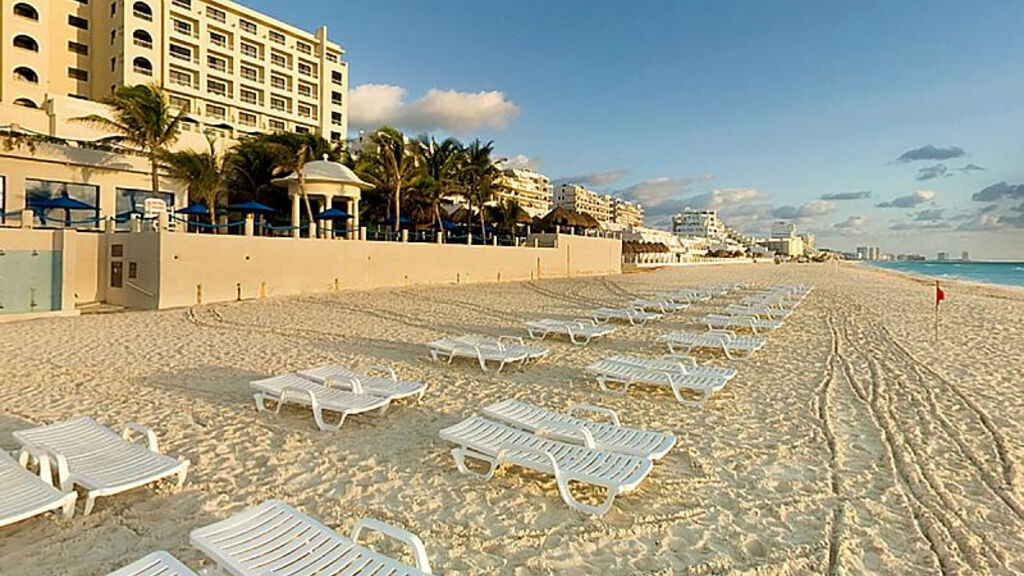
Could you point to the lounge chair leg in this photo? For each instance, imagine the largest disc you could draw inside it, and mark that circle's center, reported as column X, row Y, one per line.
column 182, row 474
column 68, row 509
column 705, row 394
column 90, row 501
column 461, row 454
column 567, row 497
column 602, row 382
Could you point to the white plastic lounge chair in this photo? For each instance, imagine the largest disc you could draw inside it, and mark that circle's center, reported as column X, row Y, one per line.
column 725, row 321
column 569, row 428
column 759, row 309
column 366, row 382
column 734, row 347
column 608, row 371
column 663, row 305
column 451, row 348
column 579, row 331
column 274, row 539
column 677, row 364
column 689, row 296
column 634, row 316
column 24, row 494
column 512, row 344
column 92, row 456
column 155, row 564
column 294, row 389
column 497, row 444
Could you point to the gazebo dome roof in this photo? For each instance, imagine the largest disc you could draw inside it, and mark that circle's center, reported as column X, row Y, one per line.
column 325, row 171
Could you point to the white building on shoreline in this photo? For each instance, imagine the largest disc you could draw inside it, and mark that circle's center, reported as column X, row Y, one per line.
column 531, row 190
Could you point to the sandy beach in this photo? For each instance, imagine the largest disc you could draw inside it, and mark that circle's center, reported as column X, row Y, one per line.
column 851, row 444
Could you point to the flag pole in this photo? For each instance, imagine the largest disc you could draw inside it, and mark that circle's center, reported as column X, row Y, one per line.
column 938, row 299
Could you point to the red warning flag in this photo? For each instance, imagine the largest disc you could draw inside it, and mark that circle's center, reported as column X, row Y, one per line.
column 939, row 294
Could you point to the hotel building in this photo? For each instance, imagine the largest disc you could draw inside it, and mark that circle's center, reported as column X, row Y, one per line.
column 532, row 191
column 577, row 198
column 699, row 223
column 627, row 214
column 232, row 69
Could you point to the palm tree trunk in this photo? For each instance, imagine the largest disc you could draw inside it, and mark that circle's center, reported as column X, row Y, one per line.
column 154, row 173
column 398, row 206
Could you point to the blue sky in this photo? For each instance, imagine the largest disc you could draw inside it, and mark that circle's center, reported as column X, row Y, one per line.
column 756, row 108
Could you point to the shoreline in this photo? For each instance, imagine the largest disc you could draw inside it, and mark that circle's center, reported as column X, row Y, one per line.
column 925, row 278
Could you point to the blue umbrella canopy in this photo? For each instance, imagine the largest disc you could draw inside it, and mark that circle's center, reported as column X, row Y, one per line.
column 61, row 203
column 193, row 209
column 402, row 220
column 251, row 208
column 333, row 214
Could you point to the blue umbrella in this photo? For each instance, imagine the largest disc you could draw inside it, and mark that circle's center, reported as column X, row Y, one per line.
column 447, row 225
column 251, row 208
column 60, row 202
column 193, row 210
column 402, row 220
column 333, row 214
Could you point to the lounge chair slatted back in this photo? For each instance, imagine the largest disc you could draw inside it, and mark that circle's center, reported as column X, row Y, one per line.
column 155, row 564
column 579, row 331
column 294, row 389
column 608, row 371
column 24, row 494
column 387, row 385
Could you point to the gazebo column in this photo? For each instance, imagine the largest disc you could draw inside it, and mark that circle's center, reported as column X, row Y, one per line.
column 295, row 216
column 353, row 209
column 328, row 224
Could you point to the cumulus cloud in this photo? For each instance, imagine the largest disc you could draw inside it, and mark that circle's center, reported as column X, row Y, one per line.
column 930, row 152
column 899, row 226
column 998, row 192
column 519, row 162
column 852, row 226
column 929, row 215
column 981, row 223
column 594, row 179
column 857, row 195
column 807, row 210
column 915, row 199
column 931, row 172
column 452, row 111
column 971, row 168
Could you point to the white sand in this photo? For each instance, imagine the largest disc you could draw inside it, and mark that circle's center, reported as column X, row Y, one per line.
column 851, row 444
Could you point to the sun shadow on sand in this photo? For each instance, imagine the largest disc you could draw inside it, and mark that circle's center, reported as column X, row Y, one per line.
column 8, row 424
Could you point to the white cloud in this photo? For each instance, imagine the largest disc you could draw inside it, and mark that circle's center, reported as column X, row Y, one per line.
column 594, row 179
column 520, row 162
column 910, row 201
column 373, row 105
column 852, row 225
column 981, row 223
column 807, row 210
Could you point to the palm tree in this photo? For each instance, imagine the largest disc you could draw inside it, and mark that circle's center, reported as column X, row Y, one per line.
column 301, row 148
column 142, row 118
column 389, row 163
column 438, row 177
column 203, row 174
column 477, row 176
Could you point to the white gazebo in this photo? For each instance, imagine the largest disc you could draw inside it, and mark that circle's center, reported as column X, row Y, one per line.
column 327, row 181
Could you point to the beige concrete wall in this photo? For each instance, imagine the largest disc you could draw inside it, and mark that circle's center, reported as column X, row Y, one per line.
column 88, row 266
column 224, row 268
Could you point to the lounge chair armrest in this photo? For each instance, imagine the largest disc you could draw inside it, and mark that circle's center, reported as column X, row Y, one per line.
column 586, row 321
column 727, row 333
column 570, row 430
column 388, row 370
column 596, row 409
column 513, row 339
column 352, row 382
column 419, row 552
column 143, row 430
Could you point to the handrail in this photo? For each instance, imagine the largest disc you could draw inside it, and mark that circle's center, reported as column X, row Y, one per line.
column 139, row 288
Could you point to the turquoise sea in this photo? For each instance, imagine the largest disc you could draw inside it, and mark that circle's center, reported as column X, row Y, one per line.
column 1006, row 273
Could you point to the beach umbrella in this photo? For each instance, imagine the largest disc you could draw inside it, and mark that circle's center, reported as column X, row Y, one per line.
column 402, row 221
column 61, row 203
column 446, row 225
column 332, row 214
column 251, row 208
column 558, row 217
column 584, row 220
column 193, row 210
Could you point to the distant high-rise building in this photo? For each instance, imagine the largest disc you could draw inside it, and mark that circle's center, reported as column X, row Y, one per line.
column 782, row 229
column 699, row 223
column 965, row 256
column 577, row 198
column 942, row 256
column 532, row 191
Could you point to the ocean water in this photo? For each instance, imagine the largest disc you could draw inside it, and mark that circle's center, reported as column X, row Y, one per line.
column 1006, row 273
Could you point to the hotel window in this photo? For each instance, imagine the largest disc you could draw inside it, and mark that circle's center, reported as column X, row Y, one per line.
column 142, row 11
column 336, row 98
column 183, row 104
column 249, row 96
column 332, row 57
column 215, row 14
column 250, row 74
column 78, row 74
column 142, row 39
column 180, row 77
column 247, row 119
column 336, row 77
column 307, row 69
column 276, row 37
column 113, row 68
column 217, row 63
column 305, row 111
column 113, row 9
column 182, row 27
column 217, row 87
column 247, row 26
column 218, row 39
column 77, row 22
column 26, row 11
column 180, row 52
column 186, row 4
column 279, row 104
column 26, row 43
column 128, row 200
column 218, row 112
column 335, row 136
column 303, row 47
column 38, row 191
column 3, row 198
column 26, row 75
column 250, row 50
column 275, row 124
column 142, row 66
column 279, row 60
column 278, row 82
column 301, row 130
column 336, row 118
column 305, row 90
column 113, row 37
